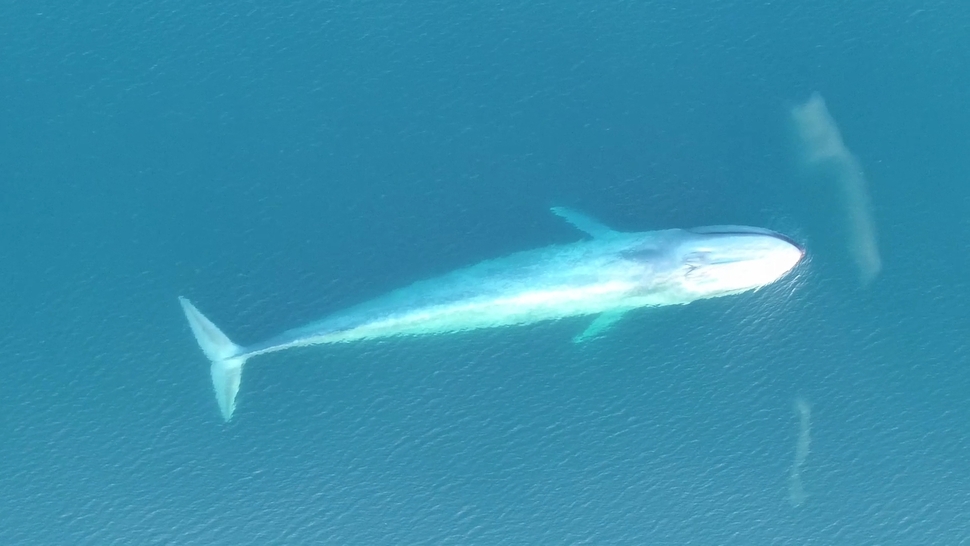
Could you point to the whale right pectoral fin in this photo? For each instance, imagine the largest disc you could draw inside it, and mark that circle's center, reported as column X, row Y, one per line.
column 599, row 325
column 584, row 223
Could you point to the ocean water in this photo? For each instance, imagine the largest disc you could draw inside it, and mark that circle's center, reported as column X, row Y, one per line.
column 277, row 161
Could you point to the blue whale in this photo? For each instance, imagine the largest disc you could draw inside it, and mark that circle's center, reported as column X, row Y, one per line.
column 604, row 276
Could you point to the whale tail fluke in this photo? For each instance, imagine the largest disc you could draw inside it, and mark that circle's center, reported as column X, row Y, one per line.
column 227, row 358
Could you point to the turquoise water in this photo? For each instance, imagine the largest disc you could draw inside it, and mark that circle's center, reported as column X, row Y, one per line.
column 276, row 162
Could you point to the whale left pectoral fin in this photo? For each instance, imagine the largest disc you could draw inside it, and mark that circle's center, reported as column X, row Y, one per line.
column 599, row 325
column 593, row 228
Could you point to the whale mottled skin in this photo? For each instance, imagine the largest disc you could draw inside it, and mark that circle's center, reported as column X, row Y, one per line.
column 605, row 276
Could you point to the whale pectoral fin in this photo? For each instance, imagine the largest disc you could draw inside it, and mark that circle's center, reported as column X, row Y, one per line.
column 599, row 325
column 583, row 223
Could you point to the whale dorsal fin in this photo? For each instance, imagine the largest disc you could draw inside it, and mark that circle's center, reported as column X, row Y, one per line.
column 584, row 223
